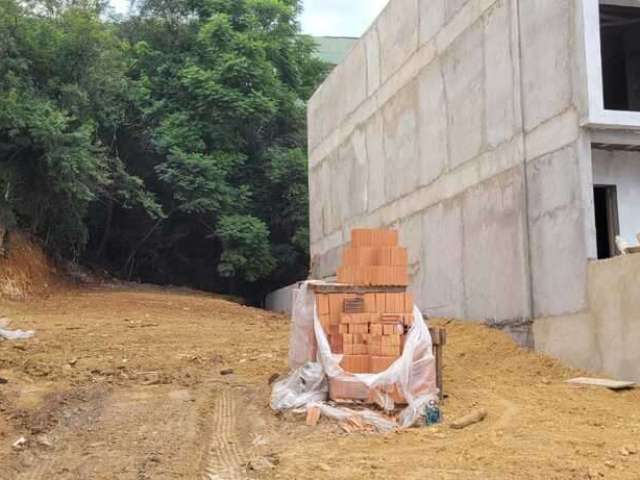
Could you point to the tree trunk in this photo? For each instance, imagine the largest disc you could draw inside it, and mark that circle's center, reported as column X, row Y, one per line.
column 107, row 231
column 3, row 234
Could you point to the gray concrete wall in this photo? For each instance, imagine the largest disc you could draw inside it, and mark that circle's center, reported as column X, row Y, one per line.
column 606, row 336
column 281, row 300
column 621, row 169
column 457, row 122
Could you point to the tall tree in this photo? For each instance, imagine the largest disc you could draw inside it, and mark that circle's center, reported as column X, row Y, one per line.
column 223, row 90
column 62, row 96
column 168, row 146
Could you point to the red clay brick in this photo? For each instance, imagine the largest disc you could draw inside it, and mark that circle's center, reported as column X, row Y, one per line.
column 322, row 302
column 378, row 364
column 380, row 302
column 335, row 307
column 359, row 328
column 409, row 301
column 391, row 350
column 376, row 328
column 346, row 387
column 355, row 363
column 398, row 256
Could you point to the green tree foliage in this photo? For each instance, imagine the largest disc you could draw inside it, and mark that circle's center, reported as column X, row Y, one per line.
column 168, row 146
column 62, row 98
column 247, row 252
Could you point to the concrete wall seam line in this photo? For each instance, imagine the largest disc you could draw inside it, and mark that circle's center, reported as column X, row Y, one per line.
column 527, row 228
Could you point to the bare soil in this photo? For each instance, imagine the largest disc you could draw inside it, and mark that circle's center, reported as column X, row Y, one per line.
column 125, row 384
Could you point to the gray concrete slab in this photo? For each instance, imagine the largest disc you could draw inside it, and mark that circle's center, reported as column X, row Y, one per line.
column 463, row 67
column 400, row 117
column 433, row 149
column 398, row 34
column 546, row 59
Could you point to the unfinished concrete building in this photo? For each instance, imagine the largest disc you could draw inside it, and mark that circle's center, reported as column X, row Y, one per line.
column 501, row 138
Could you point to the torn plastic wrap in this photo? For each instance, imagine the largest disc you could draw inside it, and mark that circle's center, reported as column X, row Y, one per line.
column 302, row 339
column 303, row 387
column 16, row 334
column 413, row 375
column 6, row 334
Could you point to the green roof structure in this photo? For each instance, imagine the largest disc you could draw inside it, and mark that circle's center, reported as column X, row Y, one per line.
column 333, row 50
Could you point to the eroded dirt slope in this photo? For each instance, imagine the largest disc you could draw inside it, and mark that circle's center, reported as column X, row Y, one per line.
column 126, row 384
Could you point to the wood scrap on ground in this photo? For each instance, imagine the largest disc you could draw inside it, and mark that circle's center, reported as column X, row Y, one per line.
column 601, row 382
column 313, row 416
column 474, row 417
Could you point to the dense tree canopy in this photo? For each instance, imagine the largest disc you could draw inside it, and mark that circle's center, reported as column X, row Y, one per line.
column 168, row 146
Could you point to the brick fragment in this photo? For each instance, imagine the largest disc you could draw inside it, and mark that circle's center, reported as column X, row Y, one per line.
column 313, row 416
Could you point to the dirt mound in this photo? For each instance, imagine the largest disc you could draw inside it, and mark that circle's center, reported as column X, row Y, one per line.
column 127, row 383
column 25, row 269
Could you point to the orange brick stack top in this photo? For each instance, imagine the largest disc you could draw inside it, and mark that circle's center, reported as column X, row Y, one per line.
column 374, row 258
column 369, row 328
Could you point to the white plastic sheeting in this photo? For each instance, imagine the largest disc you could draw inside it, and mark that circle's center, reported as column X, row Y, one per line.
column 7, row 334
column 413, row 374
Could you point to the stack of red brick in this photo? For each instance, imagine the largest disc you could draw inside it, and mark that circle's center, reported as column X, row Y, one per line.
column 369, row 327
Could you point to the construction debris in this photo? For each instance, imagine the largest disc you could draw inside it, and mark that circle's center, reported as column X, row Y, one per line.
column 19, row 444
column 313, row 416
column 625, row 248
column 474, row 417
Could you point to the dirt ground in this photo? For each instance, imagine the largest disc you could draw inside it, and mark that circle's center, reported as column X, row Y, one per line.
column 125, row 384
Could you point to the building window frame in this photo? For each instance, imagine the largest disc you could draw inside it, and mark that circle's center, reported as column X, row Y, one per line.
column 598, row 116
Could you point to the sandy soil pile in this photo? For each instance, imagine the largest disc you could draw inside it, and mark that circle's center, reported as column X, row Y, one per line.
column 25, row 270
column 149, row 383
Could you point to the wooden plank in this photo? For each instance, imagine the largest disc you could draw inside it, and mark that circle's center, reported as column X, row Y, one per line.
column 635, row 249
column 439, row 339
column 601, row 382
column 347, row 288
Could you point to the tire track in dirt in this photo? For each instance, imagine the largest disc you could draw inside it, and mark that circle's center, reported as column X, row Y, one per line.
column 225, row 457
column 506, row 419
column 44, row 471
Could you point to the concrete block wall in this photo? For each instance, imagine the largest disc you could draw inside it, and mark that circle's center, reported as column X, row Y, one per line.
column 606, row 336
column 281, row 300
column 457, row 121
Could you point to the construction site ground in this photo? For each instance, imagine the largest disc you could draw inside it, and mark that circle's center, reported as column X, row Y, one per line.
column 125, row 383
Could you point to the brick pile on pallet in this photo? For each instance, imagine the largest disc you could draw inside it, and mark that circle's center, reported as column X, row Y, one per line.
column 369, row 324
